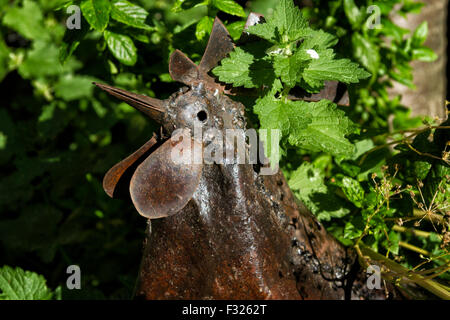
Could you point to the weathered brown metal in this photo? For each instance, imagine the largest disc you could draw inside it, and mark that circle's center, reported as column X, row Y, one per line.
column 219, row 44
column 237, row 234
column 116, row 173
column 161, row 187
column 152, row 107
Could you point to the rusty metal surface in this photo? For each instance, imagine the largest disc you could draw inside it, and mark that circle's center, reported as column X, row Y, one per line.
column 116, row 173
column 219, row 45
column 154, row 108
column 236, row 234
column 161, row 187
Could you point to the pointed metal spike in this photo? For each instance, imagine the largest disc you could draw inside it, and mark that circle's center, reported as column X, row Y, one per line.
column 219, row 45
column 152, row 107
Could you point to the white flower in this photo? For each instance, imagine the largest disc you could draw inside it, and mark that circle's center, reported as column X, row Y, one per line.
column 312, row 53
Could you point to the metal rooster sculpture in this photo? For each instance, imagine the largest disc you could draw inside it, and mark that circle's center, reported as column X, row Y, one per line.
column 226, row 232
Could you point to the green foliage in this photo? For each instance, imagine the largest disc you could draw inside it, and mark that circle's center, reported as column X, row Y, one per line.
column 58, row 136
column 294, row 55
column 17, row 284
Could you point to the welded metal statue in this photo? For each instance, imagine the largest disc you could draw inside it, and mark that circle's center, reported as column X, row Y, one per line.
column 223, row 231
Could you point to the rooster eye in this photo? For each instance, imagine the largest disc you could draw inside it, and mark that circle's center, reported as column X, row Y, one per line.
column 202, row 116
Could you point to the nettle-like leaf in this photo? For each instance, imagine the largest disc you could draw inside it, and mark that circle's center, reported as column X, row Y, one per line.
column 290, row 68
column 326, row 130
column 96, row 12
column 284, row 115
column 246, row 67
column 286, row 25
column 17, row 284
column 327, row 68
column 308, row 184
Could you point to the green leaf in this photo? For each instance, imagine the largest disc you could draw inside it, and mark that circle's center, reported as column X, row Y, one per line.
column 17, row 284
column 230, row 7
column 420, row 34
column 352, row 190
column 71, row 40
column 204, row 27
column 242, row 68
column 319, row 39
column 130, row 14
column 72, row 87
column 27, row 20
column 4, row 58
column 283, row 115
column 366, row 52
column 424, row 54
column 326, row 129
column 289, row 68
column 235, row 29
column 180, row 5
column 96, row 12
column 122, row 47
column 236, row 69
column 325, row 68
column 309, row 182
column 286, row 25
column 42, row 60
column 393, row 243
column 354, row 15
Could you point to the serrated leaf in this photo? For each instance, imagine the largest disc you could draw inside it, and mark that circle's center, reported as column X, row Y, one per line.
column 17, row 284
column 286, row 25
column 122, row 47
column 235, row 69
column 353, row 190
column 326, row 68
column 289, row 68
column 27, row 20
column 242, row 68
column 319, row 39
column 309, row 182
column 230, row 7
column 283, row 115
column 96, row 12
column 326, row 130
column 130, row 14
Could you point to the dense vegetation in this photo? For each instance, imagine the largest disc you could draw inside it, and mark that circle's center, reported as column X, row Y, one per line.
column 381, row 186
